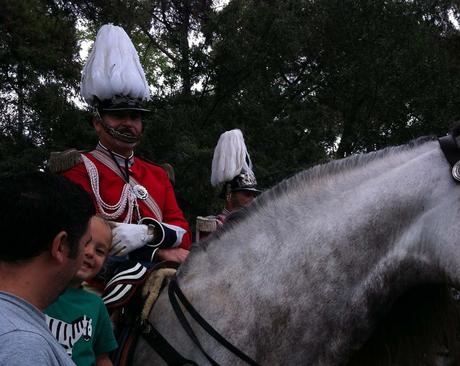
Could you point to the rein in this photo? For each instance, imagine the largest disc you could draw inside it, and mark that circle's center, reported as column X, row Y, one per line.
column 173, row 291
column 161, row 346
column 171, row 355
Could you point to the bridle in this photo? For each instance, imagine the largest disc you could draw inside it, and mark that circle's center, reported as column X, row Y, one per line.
column 130, row 139
column 451, row 150
column 169, row 354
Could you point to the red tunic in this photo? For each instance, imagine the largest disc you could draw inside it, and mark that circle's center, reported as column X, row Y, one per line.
column 152, row 177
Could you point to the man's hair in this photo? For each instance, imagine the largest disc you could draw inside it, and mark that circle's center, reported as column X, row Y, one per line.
column 35, row 207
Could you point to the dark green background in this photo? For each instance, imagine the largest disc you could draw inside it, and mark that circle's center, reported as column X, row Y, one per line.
column 306, row 81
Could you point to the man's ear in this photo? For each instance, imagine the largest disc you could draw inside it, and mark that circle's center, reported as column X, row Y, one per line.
column 60, row 247
column 96, row 122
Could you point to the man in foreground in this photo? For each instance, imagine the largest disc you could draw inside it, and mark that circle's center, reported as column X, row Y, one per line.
column 44, row 225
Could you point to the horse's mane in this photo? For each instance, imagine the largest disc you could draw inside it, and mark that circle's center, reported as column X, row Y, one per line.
column 324, row 171
column 308, row 177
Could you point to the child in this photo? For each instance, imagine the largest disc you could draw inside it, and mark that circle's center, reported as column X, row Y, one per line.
column 78, row 319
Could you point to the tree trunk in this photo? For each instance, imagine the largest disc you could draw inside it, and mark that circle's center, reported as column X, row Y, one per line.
column 185, row 50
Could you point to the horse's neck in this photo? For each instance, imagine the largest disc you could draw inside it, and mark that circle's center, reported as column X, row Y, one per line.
column 366, row 210
column 308, row 266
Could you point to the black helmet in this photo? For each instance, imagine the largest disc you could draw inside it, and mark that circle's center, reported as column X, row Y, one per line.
column 120, row 103
column 245, row 181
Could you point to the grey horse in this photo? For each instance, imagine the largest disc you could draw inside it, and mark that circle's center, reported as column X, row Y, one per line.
column 309, row 270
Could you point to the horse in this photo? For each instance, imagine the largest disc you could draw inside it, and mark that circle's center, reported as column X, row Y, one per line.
column 307, row 273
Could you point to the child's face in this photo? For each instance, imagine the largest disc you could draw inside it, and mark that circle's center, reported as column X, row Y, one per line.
column 96, row 250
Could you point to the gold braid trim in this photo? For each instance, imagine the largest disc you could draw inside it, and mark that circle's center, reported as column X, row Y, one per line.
column 60, row 161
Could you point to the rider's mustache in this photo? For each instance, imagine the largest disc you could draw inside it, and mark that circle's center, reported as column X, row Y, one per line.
column 123, row 133
column 127, row 131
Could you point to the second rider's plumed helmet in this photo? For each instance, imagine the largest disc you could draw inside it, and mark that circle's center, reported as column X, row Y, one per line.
column 232, row 166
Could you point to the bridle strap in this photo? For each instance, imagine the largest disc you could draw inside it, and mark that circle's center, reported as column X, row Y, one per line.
column 173, row 291
column 161, row 346
column 450, row 149
column 181, row 317
column 118, row 135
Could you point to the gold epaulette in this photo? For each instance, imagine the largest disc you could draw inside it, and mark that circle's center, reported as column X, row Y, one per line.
column 206, row 224
column 170, row 172
column 61, row 161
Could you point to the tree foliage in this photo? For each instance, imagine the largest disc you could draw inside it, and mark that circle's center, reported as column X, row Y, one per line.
column 38, row 71
column 306, row 81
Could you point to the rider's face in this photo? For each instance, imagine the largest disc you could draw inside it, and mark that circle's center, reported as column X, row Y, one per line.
column 127, row 122
column 241, row 198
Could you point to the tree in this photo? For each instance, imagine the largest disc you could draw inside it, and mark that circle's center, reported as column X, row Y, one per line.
column 167, row 33
column 381, row 60
column 326, row 79
column 38, row 56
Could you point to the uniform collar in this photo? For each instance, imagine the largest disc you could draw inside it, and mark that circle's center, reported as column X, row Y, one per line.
column 119, row 158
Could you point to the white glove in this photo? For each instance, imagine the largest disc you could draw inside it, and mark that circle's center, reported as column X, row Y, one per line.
column 128, row 237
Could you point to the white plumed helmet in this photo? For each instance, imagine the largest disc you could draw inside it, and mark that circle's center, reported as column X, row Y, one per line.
column 231, row 165
column 113, row 78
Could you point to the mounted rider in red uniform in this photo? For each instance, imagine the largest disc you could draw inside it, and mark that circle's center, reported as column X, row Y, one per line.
column 135, row 195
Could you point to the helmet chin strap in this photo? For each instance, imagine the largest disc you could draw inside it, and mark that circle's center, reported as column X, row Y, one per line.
column 118, row 135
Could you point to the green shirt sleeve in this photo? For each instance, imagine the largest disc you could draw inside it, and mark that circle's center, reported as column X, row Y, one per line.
column 104, row 341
